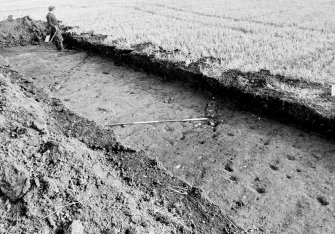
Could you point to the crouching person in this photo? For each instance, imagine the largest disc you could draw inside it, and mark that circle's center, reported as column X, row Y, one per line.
column 53, row 27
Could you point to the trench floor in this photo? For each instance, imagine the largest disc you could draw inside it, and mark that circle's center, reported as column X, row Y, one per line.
column 268, row 176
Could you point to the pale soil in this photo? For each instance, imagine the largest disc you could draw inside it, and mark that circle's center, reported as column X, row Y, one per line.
column 64, row 180
column 268, row 176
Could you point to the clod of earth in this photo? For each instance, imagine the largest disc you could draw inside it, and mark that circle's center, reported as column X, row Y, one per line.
column 323, row 201
column 14, row 180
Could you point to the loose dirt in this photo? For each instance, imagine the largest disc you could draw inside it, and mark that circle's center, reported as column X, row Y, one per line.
column 23, row 31
column 61, row 173
column 49, row 180
column 268, row 176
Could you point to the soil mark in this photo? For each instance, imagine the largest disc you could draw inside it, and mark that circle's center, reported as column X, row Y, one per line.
column 266, row 175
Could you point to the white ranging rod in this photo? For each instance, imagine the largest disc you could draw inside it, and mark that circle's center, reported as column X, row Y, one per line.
column 157, row 121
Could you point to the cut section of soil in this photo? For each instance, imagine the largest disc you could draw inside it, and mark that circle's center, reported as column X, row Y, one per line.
column 303, row 103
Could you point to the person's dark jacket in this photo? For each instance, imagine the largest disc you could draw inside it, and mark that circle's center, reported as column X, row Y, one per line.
column 52, row 20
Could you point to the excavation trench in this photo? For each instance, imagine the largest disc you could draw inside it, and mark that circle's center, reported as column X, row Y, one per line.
column 266, row 175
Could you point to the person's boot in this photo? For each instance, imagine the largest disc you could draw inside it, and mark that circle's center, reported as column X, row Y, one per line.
column 60, row 46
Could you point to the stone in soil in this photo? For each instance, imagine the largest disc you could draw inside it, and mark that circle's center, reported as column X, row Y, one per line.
column 76, row 228
column 14, row 180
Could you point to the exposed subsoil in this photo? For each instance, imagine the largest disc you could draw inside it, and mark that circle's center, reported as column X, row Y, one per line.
column 269, row 177
column 62, row 173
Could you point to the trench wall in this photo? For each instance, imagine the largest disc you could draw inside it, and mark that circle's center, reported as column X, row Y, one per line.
column 252, row 95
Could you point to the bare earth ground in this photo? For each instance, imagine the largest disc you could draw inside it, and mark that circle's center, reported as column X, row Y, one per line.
column 268, row 176
column 61, row 178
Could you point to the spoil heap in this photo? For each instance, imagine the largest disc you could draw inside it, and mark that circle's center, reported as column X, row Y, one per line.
column 22, row 31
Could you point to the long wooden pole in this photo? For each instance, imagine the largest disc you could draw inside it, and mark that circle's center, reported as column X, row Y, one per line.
column 157, row 121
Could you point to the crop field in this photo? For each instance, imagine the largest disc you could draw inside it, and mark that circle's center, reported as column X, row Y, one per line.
column 291, row 38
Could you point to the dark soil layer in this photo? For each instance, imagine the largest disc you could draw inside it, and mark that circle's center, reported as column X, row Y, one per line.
column 253, row 90
column 23, row 31
column 49, row 178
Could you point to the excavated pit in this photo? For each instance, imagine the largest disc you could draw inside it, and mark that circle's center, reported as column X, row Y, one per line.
column 57, row 168
column 267, row 176
column 264, row 174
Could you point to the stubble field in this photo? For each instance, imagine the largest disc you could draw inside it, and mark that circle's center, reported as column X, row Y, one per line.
column 291, row 38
